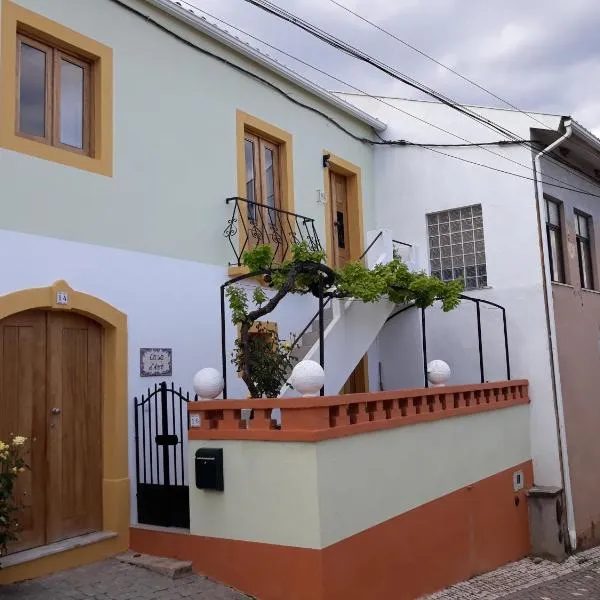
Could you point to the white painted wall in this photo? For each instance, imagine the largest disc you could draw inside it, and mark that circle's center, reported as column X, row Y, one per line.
column 413, row 182
column 314, row 495
column 169, row 303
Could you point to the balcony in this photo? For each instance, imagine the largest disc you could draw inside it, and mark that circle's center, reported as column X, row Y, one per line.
column 253, row 224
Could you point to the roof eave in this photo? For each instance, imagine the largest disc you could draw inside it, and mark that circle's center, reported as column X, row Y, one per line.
column 582, row 133
column 230, row 41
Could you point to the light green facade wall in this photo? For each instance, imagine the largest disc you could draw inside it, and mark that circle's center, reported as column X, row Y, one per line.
column 175, row 144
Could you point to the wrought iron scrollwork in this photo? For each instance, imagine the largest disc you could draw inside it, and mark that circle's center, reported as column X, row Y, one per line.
column 253, row 223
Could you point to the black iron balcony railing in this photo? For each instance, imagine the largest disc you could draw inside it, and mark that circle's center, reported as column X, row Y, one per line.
column 253, row 224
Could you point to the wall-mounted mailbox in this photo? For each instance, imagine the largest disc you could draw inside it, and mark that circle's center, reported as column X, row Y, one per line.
column 209, row 469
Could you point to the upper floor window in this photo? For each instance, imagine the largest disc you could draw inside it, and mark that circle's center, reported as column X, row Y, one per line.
column 555, row 245
column 262, row 177
column 457, row 247
column 53, row 96
column 583, row 227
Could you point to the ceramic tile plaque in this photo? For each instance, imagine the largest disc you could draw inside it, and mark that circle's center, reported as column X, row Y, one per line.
column 156, row 362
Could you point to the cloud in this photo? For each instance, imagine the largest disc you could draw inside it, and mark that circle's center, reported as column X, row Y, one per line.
column 539, row 55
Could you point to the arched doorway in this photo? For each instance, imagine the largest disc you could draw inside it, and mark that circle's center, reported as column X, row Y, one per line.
column 67, row 350
column 51, row 392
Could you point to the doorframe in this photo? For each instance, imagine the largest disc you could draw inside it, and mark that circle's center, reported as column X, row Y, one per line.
column 353, row 174
column 115, row 425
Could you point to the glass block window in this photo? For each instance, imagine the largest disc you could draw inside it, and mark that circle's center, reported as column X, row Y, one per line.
column 456, row 246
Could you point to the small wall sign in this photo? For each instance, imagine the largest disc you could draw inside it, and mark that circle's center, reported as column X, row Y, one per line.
column 156, row 362
column 62, row 298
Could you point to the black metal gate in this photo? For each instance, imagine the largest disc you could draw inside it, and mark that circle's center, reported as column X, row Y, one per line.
column 161, row 424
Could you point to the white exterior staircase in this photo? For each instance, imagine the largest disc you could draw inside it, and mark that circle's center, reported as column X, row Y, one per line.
column 350, row 326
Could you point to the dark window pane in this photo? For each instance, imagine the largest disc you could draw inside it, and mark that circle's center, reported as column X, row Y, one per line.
column 455, row 226
column 468, row 236
column 444, row 240
column 457, row 250
column 250, row 176
column 437, row 274
column 446, row 263
column 585, row 264
column 455, row 215
column 447, row 274
column 434, row 241
column 456, row 238
column 458, row 261
column 471, row 283
column 471, row 272
column 436, row 264
column 444, row 228
column 445, row 251
column 432, row 219
column 465, row 213
column 32, row 91
column 481, row 270
column 477, row 210
column 434, row 252
column 556, row 258
column 482, row 281
column 433, row 230
column 71, row 104
column 269, row 177
column 459, row 273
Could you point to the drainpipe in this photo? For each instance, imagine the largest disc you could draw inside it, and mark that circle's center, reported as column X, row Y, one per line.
column 557, row 390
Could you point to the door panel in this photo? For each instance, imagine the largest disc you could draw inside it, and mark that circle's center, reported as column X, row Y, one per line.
column 358, row 381
column 75, row 426
column 339, row 219
column 22, row 412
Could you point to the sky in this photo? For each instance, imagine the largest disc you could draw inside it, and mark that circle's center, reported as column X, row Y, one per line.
column 540, row 55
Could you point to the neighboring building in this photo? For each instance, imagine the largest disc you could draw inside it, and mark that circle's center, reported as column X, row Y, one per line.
column 529, row 246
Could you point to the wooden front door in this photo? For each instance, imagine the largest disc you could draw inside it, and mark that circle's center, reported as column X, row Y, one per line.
column 50, row 392
column 339, row 219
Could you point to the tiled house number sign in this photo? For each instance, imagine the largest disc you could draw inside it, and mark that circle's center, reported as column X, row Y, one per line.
column 156, row 362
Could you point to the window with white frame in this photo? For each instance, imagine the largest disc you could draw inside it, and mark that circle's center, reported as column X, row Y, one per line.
column 457, row 247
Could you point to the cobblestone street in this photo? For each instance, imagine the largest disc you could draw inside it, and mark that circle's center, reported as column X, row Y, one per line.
column 578, row 577
column 112, row 580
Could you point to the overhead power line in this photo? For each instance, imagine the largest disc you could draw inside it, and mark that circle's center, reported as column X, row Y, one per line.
column 434, row 60
column 383, row 142
column 347, row 48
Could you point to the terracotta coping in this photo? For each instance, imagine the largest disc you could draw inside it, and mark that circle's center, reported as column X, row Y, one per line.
column 325, row 417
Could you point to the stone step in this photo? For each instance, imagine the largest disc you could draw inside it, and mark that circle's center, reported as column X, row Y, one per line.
column 164, row 566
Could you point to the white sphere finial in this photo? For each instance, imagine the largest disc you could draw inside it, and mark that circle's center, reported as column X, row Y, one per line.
column 208, row 383
column 438, row 373
column 308, row 378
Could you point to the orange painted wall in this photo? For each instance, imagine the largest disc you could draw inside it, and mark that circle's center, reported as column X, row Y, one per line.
column 470, row 531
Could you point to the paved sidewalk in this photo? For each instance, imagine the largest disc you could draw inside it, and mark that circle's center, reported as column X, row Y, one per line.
column 577, row 577
column 112, row 580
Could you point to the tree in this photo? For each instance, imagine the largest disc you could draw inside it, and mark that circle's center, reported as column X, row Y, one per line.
column 306, row 273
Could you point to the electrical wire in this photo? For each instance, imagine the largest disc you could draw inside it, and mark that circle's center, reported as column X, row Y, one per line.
column 346, row 48
column 240, row 69
column 437, row 62
column 166, row 30
column 383, row 142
